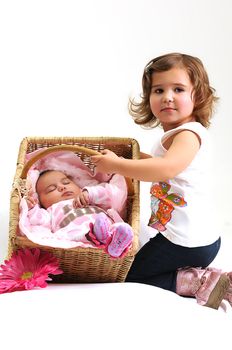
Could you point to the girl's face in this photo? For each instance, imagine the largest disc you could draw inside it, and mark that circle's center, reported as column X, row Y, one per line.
column 171, row 98
column 55, row 186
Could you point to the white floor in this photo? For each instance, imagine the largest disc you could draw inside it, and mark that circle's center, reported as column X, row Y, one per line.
column 109, row 316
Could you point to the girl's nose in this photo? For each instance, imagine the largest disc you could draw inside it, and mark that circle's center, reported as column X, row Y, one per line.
column 168, row 97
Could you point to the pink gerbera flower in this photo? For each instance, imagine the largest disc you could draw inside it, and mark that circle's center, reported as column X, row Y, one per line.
column 27, row 269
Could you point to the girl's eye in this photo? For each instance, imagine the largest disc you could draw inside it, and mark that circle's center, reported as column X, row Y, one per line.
column 177, row 89
column 157, row 91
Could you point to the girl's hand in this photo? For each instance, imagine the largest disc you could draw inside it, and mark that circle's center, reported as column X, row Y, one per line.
column 30, row 199
column 106, row 162
column 82, row 200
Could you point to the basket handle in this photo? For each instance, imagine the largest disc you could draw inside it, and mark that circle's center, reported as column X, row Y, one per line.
column 53, row 149
column 73, row 148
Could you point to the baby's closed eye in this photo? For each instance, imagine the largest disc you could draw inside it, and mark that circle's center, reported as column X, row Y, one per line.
column 50, row 188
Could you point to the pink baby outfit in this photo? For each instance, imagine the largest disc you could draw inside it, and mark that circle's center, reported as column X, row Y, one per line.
column 63, row 226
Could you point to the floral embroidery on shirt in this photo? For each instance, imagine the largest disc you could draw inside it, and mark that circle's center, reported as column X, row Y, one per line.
column 162, row 205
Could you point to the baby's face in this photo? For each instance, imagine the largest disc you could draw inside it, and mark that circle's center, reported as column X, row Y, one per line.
column 55, row 186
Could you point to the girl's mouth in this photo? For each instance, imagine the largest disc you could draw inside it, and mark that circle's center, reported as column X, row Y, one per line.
column 167, row 109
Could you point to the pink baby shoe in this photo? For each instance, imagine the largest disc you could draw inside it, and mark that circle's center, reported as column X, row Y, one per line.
column 122, row 236
column 92, row 237
column 101, row 228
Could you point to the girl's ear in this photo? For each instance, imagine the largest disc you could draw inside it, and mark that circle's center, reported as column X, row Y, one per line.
column 193, row 96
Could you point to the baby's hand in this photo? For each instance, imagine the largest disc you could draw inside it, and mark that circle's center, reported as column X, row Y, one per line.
column 82, row 200
column 30, row 199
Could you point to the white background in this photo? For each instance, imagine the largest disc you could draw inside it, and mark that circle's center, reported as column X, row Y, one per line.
column 67, row 68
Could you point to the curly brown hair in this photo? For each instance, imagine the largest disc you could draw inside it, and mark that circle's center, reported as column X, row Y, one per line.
column 204, row 94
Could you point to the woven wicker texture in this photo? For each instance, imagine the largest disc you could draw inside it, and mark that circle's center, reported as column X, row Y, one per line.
column 80, row 265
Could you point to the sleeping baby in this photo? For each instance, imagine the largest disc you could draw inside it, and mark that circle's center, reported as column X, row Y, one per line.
column 68, row 206
column 91, row 215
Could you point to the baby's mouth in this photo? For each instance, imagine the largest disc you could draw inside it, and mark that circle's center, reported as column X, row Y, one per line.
column 67, row 193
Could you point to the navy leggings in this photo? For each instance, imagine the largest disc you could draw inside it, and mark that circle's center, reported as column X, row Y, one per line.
column 157, row 261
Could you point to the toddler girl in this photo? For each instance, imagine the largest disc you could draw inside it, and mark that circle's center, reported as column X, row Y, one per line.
column 185, row 239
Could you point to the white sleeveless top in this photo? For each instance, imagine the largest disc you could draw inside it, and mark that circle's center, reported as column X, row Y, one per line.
column 183, row 207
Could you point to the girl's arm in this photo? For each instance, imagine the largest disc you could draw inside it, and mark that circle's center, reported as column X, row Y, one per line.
column 180, row 154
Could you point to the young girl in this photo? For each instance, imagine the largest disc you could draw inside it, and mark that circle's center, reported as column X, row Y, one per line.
column 89, row 215
column 176, row 95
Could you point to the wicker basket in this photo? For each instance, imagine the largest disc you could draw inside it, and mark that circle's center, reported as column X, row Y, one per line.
column 80, row 265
